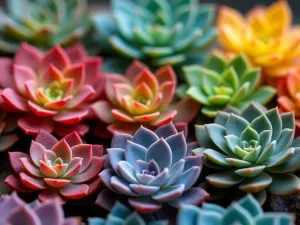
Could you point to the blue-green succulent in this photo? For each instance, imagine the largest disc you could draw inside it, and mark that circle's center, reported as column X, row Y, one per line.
column 159, row 32
column 246, row 211
column 43, row 23
column 254, row 149
column 122, row 215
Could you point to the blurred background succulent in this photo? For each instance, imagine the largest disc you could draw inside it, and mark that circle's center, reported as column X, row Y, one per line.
column 65, row 169
column 152, row 168
column 122, row 215
column 157, row 32
column 254, row 150
column 266, row 36
column 222, row 82
column 142, row 97
column 246, row 211
column 56, row 87
column 8, row 124
column 14, row 211
column 42, row 23
column 289, row 96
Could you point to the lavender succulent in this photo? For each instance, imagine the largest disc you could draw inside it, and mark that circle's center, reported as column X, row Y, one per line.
column 246, row 211
column 122, row 215
column 15, row 212
column 152, row 168
column 254, row 150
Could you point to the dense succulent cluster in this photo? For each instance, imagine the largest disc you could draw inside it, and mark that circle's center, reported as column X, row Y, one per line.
column 157, row 32
column 141, row 97
column 56, row 86
column 220, row 83
column 152, row 168
column 120, row 214
column 43, row 23
column 8, row 124
column 246, row 211
column 289, row 96
column 65, row 169
column 254, row 150
column 50, row 85
column 266, row 36
column 15, row 212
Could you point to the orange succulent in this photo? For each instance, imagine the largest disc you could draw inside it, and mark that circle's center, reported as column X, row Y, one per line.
column 266, row 36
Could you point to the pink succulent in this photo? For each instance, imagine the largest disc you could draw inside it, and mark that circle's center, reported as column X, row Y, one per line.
column 8, row 123
column 52, row 87
column 142, row 98
column 65, row 169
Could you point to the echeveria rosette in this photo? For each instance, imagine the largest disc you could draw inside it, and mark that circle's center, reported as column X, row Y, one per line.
column 120, row 214
column 152, row 168
column 289, row 96
column 222, row 82
column 43, row 23
column 8, row 124
column 54, row 88
column 254, row 150
column 266, row 36
column 65, row 169
column 246, row 211
column 15, row 211
column 142, row 97
column 157, row 32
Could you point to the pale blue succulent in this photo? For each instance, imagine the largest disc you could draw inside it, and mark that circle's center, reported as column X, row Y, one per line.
column 152, row 168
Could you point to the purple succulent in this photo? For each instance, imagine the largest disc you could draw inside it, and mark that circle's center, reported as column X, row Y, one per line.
column 14, row 211
column 152, row 168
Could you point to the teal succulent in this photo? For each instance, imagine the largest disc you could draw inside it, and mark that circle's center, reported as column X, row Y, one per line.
column 43, row 23
column 160, row 32
column 246, row 211
column 254, row 150
column 121, row 215
column 222, row 82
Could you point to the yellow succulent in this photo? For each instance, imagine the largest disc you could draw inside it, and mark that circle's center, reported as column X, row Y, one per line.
column 266, row 36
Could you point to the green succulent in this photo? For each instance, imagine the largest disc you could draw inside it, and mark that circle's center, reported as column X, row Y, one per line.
column 121, row 215
column 246, row 211
column 160, row 32
column 220, row 83
column 43, row 23
column 254, row 149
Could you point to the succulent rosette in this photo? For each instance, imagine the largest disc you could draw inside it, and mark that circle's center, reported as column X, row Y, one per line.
column 65, row 169
column 50, row 88
column 289, row 96
column 43, row 23
column 222, row 82
column 157, row 32
column 266, row 36
column 8, row 124
column 120, row 214
column 254, row 150
column 14, row 211
column 246, row 211
column 152, row 168
column 142, row 97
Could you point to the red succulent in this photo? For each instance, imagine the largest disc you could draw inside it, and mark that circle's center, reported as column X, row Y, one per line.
column 55, row 87
column 65, row 169
column 142, row 98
